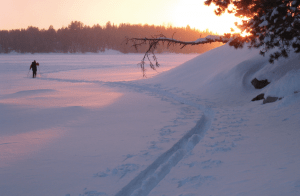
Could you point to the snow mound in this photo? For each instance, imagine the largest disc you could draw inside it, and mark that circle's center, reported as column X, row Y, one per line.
column 111, row 52
column 287, row 85
column 224, row 74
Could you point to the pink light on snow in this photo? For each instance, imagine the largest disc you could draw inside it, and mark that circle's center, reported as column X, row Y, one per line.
column 17, row 147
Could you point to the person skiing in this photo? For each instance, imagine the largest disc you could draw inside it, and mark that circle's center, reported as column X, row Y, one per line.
column 33, row 66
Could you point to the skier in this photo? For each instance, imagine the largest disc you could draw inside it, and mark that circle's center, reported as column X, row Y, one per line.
column 34, row 68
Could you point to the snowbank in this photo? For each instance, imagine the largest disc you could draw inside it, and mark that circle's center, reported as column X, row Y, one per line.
column 220, row 72
column 106, row 52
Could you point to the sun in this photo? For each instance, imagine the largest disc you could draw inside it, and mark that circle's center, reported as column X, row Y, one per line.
column 195, row 14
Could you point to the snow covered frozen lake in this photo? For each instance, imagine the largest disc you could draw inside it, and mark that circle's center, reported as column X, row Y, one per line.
column 90, row 125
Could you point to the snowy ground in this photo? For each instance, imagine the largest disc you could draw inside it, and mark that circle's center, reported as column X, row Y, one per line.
column 86, row 126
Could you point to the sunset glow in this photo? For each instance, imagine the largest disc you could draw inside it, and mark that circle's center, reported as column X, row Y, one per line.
column 16, row 14
column 66, row 97
column 23, row 145
column 196, row 15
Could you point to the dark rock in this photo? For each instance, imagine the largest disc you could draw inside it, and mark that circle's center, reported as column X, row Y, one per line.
column 258, row 97
column 271, row 99
column 259, row 84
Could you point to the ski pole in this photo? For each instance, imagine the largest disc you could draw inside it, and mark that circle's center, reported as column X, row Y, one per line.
column 40, row 71
column 28, row 73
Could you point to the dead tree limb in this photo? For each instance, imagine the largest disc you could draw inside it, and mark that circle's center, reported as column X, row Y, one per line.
column 154, row 42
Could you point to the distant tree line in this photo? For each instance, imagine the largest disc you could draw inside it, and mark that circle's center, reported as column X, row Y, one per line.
column 79, row 38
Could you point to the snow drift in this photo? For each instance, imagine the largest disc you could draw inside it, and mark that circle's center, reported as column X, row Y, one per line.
column 227, row 73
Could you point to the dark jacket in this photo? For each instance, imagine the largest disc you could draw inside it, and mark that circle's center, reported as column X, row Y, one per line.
column 33, row 66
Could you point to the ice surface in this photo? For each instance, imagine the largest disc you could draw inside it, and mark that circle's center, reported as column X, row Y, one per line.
column 89, row 125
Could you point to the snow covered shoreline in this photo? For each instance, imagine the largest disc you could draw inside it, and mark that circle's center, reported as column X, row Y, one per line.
column 106, row 52
column 192, row 130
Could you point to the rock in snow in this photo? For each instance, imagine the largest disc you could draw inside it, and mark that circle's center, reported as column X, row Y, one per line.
column 270, row 99
column 258, row 97
column 259, row 84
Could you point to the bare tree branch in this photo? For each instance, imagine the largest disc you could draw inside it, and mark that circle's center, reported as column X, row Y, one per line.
column 154, row 42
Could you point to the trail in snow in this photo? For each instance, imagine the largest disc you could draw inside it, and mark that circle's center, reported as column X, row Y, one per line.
column 147, row 179
column 154, row 173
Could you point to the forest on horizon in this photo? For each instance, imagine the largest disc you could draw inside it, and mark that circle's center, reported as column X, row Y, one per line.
column 79, row 38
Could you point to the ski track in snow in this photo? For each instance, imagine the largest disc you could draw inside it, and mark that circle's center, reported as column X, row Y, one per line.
column 147, row 179
column 154, row 173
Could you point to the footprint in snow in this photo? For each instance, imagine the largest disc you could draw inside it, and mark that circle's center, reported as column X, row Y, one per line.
column 166, row 131
column 210, row 163
column 92, row 193
column 195, row 181
column 120, row 171
column 128, row 157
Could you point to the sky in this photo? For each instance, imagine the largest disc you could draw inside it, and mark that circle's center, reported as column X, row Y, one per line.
column 17, row 14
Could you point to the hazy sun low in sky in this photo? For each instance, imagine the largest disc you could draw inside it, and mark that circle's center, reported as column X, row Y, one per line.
column 16, row 14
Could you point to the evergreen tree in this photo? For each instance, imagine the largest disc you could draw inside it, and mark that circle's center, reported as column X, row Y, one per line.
column 269, row 23
column 78, row 37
